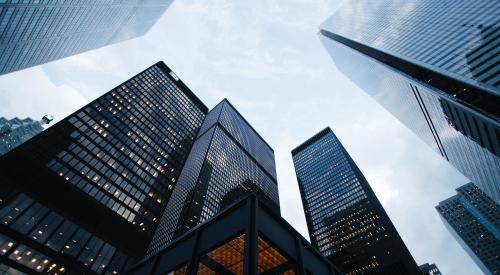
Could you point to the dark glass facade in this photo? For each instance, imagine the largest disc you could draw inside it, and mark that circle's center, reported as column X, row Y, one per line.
column 474, row 220
column 35, row 238
column 87, row 193
column 13, row 132
column 228, row 158
column 33, row 32
column 430, row 269
column 247, row 238
column 433, row 65
column 346, row 221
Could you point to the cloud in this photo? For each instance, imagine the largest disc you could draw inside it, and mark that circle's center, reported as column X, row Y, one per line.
column 265, row 57
column 385, row 192
column 29, row 93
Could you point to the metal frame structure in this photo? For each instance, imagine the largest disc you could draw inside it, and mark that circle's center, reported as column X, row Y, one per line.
column 249, row 217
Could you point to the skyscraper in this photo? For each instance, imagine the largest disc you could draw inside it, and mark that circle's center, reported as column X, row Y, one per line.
column 433, row 65
column 429, row 269
column 15, row 131
column 86, row 195
column 346, row 221
column 35, row 32
column 474, row 220
column 228, row 157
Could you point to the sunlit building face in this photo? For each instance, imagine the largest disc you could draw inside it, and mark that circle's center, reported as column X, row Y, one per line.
column 434, row 66
column 33, row 32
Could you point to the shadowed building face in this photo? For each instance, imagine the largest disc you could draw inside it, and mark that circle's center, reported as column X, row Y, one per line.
column 229, row 159
column 86, row 194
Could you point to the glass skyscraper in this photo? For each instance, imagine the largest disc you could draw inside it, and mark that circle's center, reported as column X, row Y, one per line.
column 13, row 132
column 229, row 159
column 33, row 32
column 435, row 66
column 346, row 221
column 85, row 195
column 474, row 220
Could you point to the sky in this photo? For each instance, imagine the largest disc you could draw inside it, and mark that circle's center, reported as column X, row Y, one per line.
column 266, row 59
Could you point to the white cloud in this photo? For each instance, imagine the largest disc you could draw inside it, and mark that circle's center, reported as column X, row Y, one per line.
column 385, row 192
column 265, row 57
column 30, row 94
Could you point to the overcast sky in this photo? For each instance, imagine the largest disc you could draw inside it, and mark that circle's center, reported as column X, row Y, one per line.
column 266, row 58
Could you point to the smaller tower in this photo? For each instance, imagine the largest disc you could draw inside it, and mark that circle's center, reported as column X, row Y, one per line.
column 474, row 220
column 229, row 159
column 16, row 131
column 346, row 221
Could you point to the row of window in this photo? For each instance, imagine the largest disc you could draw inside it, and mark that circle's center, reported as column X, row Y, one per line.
column 421, row 23
column 46, row 227
column 248, row 138
column 187, row 182
column 207, row 177
column 122, row 148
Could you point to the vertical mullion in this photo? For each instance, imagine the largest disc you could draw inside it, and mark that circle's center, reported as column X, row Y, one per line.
column 300, row 260
column 252, row 238
column 193, row 262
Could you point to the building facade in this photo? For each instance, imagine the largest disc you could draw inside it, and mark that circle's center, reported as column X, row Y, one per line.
column 474, row 220
column 430, row 269
column 248, row 237
column 34, row 32
column 85, row 195
column 433, row 65
column 13, row 132
column 229, row 159
column 346, row 221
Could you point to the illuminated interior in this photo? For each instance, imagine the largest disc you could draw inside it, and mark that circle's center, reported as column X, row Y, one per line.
column 225, row 259
column 273, row 262
column 229, row 259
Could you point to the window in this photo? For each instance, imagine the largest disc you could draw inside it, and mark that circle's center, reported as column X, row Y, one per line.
column 225, row 259
column 273, row 262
